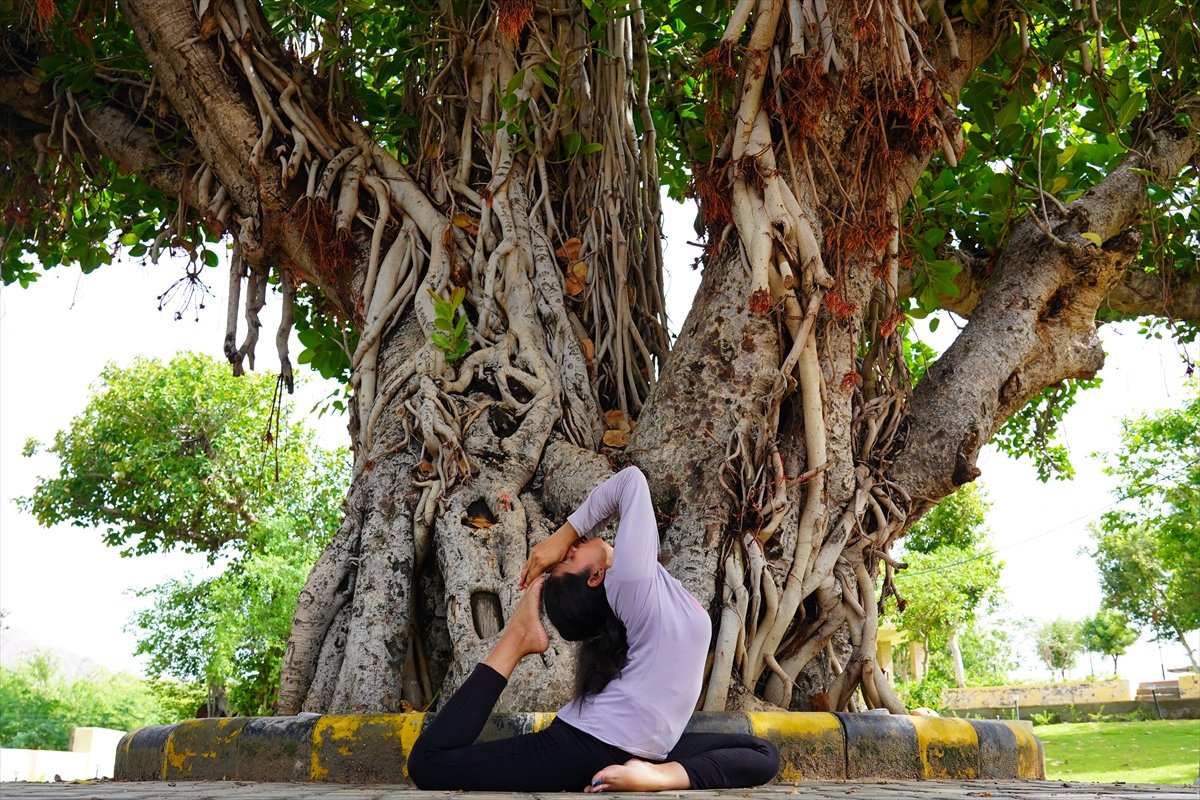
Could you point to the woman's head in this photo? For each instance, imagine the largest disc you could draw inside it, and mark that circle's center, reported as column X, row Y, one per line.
column 577, row 606
column 591, row 558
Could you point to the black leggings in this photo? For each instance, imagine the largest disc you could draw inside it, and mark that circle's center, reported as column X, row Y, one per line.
column 561, row 758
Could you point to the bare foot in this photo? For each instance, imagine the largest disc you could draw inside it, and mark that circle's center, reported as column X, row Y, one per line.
column 525, row 625
column 636, row 775
column 524, row 634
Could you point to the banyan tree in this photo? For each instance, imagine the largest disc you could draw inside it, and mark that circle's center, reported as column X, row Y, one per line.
column 457, row 204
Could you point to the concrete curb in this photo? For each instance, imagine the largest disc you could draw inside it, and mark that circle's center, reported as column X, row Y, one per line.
column 374, row 748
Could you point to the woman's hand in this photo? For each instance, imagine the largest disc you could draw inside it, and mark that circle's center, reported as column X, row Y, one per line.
column 547, row 553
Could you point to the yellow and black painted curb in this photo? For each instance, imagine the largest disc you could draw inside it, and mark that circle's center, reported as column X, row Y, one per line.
column 374, row 748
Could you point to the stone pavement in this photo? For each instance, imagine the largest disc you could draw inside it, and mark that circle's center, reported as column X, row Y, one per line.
column 816, row 790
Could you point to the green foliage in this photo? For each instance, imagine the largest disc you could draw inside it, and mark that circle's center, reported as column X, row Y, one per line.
column 1045, row 718
column 987, row 651
column 1058, row 644
column 1108, row 633
column 1138, row 579
column 184, row 455
column 951, row 577
column 177, row 700
column 1145, row 548
column 1044, row 120
column 1033, row 431
column 39, row 706
column 231, row 631
column 958, row 521
column 951, row 581
column 328, row 343
column 450, row 322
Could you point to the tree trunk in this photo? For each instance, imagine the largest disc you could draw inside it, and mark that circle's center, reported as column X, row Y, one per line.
column 1191, row 654
column 960, row 677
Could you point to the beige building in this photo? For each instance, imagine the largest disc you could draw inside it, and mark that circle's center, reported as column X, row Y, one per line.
column 92, row 755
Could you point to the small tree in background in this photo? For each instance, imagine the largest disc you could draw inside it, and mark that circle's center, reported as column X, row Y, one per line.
column 1108, row 633
column 230, row 632
column 987, row 655
column 1145, row 549
column 184, row 455
column 951, row 577
column 1058, row 644
column 950, row 580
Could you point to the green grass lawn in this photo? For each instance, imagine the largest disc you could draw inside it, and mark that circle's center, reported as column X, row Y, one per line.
column 1164, row 751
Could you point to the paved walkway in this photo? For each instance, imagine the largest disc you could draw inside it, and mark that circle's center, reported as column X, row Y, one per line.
column 817, row 790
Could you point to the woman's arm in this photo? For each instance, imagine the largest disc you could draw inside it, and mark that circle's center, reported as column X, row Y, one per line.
column 547, row 553
column 635, row 552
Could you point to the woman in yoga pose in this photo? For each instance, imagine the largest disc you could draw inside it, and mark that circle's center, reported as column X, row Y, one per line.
column 643, row 643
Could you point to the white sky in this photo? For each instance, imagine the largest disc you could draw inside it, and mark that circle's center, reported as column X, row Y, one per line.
column 68, row 590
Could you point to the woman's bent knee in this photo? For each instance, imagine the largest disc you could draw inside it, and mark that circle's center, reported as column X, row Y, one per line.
column 770, row 762
column 421, row 771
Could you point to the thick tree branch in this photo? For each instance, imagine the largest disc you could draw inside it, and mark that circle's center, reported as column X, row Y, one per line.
column 107, row 131
column 1138, row 293
column 1151, row 294
column 1034, row 325
column 222, row 120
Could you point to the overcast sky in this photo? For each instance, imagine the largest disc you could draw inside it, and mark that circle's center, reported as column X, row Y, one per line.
column 64, row 587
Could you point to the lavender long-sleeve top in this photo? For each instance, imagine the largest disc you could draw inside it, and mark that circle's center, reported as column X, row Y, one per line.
column 644, row 709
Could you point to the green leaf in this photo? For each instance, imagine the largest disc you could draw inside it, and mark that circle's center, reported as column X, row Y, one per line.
column 544, row 77
column 1092, row 237
column 515, row 82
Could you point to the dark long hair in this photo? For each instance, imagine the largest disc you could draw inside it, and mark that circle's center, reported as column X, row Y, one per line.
column 581, row 613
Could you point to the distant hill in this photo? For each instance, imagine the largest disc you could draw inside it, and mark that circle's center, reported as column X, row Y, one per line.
column 17, row 645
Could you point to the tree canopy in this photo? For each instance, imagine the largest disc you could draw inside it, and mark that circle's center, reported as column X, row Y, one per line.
column 1146, row 547
column 1109, row 633
column 182, row 455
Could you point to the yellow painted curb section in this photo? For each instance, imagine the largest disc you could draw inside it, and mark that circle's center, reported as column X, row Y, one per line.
column 812, row 745
column 199, row 742
column 345, row 744
column 949, row 748
column 410, row 729
column 1030, row 765
column 539, row 722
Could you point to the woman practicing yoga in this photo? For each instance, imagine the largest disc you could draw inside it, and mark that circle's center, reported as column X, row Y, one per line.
column 643, row 642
